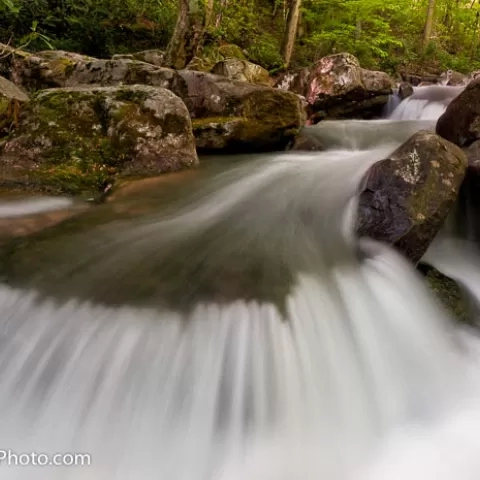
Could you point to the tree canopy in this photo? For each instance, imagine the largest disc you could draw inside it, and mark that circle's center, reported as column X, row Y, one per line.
column 384, row 34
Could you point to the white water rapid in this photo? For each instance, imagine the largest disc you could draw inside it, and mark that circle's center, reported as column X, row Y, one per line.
column 242, row 334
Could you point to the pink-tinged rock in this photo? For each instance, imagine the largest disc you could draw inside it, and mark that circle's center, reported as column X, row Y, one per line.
column 337, row 87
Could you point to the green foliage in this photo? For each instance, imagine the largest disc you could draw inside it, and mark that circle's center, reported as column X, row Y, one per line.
column 96, row 27
column 383, row 34
column 266, row 52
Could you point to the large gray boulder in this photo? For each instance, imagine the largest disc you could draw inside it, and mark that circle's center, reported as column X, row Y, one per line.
column 154, row 57
column 405, row 198
column 236, row 116
column 125, row 72
column 337, row 87
column 32, row 72
column 228, row 115
column 78, row 140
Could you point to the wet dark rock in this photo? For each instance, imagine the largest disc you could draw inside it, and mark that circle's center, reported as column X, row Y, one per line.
column 405, row 198
column 405, row 90
column 460, row 123
column 306, row 142
column 417, row 78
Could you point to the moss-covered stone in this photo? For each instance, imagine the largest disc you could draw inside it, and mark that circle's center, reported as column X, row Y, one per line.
column 154, row 57
column 450, row 295
column 49, row 69
column 213, row 54
column 78, row 140
column 242, row 71
column 230, row 50
column 405, row 199
column 239, row 116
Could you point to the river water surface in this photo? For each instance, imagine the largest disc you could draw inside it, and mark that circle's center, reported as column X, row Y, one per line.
column 227, row 325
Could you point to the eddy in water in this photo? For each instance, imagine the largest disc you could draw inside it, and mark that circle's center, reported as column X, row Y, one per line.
column 243, row 334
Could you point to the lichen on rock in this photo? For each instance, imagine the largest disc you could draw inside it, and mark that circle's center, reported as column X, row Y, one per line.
column 77, row 140
column 247, row 117
column 242, row 71
column 405, row 198
column 337, row 87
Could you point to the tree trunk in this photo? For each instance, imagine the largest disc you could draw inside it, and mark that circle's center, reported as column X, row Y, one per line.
column 176, row 56
column 209, row 13
column 291, row 31
column 427, row 33
column 186, row 36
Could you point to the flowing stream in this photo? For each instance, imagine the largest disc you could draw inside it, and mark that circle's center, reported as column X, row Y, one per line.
column 239, row 330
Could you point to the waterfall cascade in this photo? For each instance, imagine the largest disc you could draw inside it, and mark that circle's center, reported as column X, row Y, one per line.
column 244, row 334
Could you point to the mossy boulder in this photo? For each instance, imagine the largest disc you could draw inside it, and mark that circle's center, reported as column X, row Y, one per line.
column 405, row 198
column 154, row 57
column 242, row 71
column 125, row 72
column 210, row 56
column 78, row 140
column 54, row 69
column 32, row 72
column 239, row 116
column 230, row 50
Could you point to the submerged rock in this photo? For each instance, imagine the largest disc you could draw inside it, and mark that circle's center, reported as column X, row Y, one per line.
column 234, row 116
column 460, row 123
column 242, row 71
column 77, row 140
column 405, row 199
column 307, row 141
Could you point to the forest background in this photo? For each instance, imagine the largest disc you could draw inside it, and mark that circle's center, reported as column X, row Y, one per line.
column 389, row 35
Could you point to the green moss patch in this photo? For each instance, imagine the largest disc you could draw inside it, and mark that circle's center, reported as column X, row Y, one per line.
column 450, row 295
